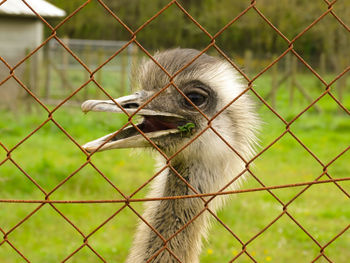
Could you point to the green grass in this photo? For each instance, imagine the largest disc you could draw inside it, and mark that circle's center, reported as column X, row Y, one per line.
column 49, row 157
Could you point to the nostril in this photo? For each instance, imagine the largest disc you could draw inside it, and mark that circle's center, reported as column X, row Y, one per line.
column 131, row 105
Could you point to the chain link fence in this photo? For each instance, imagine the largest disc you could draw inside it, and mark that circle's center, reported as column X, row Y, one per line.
column 128, row 201
column 63, row 73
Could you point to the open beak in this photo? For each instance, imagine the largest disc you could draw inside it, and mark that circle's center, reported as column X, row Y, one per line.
column 155, row 124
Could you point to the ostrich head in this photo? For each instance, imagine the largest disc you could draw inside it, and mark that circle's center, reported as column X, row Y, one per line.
column 171, row 119
column 205, row 102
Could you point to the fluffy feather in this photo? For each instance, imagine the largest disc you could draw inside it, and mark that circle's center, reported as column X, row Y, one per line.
column 208, row 163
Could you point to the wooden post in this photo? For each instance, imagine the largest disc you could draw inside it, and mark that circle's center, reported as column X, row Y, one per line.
column 123, row 73
column 47, row 63
column 296, row 85
column 87, row 55
column 100, row 56
column 274, row 83
column 65, row 63
column 341, row 83
column 323, row 64
column 277, row 85
column 323, row 69
column 248, row 57
column 134, row 56
column 34, row 78
column 27, row 81
column 134, row 61
column 27, row 69
column 342, row 63
column 293, row 72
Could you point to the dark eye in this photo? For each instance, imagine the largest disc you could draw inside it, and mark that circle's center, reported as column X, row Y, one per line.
column 197, row 98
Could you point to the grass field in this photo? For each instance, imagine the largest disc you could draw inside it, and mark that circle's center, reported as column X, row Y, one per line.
column 49, row 156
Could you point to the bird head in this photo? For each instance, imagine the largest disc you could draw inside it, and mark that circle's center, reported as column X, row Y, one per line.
column 178, row 104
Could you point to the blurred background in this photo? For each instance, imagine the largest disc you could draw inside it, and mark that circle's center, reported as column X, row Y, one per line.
column 93, row 35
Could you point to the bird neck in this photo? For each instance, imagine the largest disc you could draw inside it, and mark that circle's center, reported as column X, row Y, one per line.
column 181, row 222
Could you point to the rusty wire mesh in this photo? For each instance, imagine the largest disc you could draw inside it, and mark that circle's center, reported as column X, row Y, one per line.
column 128, row 200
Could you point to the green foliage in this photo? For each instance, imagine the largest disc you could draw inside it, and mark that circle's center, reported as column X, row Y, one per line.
column 173, row 27
column 49, row 157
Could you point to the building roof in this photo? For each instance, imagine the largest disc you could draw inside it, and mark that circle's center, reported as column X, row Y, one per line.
column 19, row 8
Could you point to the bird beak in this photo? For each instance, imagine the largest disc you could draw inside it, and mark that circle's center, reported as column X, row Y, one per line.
column 155, row 124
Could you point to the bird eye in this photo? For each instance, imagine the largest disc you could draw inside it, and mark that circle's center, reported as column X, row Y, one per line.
column 196, row 98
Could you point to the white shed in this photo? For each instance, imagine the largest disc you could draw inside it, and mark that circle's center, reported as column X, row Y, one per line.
column 21, row 31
